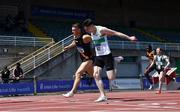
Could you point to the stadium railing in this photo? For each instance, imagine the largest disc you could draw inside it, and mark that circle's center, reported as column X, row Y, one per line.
column 143, row 45
column 40, row 57
column 24, row 41
column 31, row 55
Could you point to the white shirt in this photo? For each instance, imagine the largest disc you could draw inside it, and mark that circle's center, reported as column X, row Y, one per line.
column 100, row 42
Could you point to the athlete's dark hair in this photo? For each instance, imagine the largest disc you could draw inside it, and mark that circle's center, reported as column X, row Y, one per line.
column 160, row 49
column 77, row 25
column 88, row 22
column 149, row 48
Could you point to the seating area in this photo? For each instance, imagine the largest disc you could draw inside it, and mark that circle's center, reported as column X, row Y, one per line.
column 57, row 30
column 15, row 32
column 167, row 35
column 14, row 26
column 130, row 32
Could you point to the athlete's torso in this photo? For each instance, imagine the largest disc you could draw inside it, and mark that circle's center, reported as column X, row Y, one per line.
column 100, row 42
column 83, row 48
column 160, row 61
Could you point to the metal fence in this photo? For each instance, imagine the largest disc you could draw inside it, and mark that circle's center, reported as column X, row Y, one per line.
column 24, row 41
column 143, row 45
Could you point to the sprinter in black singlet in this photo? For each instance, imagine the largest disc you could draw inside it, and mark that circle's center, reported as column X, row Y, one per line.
column 82, row 42
column 150, row 55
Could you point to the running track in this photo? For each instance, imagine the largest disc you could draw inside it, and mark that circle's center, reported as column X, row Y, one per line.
column 146, row 101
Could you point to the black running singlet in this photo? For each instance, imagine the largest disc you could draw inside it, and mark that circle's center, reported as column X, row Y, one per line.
column 83, row 48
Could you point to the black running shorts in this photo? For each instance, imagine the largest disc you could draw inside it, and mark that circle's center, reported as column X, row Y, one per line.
column 105, row 60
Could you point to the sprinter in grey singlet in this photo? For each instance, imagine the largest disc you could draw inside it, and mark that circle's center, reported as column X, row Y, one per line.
column 161, row 63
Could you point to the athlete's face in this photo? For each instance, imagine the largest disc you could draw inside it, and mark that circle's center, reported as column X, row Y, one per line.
column 158, row 51
column 76, row 31
column 89, row 29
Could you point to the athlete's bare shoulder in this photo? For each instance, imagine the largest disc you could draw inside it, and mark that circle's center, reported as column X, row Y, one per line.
column 87, row 38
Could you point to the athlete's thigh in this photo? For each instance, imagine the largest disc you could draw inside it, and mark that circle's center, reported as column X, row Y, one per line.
column 83, row 67
column 161, row 75
column 111, row 74
column 90, row 69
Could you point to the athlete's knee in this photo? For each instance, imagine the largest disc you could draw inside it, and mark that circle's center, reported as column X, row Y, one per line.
column 96, row 75
column 78, row 74
column 111, row 77
column 111, row 74
column 160, row 78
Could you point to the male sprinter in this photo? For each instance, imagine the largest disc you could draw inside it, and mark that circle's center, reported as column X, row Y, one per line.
column 161, row 63
column 103, row 54
column 150, row 55
column 82, row 42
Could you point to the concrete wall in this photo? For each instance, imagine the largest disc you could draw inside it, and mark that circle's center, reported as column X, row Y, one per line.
column 62, row 66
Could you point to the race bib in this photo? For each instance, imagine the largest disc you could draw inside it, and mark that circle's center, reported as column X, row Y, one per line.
column 100, row 49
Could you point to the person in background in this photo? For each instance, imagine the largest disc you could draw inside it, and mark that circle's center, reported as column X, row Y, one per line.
column 5, row 75
column 161, row 62
column 150, row 55
column 17, row 73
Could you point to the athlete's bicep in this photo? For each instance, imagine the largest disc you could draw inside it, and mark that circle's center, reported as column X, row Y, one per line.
column 108, row 32
column 167, row 59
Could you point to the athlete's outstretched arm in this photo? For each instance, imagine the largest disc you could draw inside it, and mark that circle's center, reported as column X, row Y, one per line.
column 110, row 32
column 70, row 46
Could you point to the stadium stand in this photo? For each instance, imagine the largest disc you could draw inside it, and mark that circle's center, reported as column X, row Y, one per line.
column 15, row 32
column 130, row 31
column 166, row 34
column 57, row 30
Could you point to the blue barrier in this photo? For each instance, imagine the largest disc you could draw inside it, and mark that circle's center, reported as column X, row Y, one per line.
column 178, row 79
column 47, row 86
column 85, row 86
column 16, row 88
column 66, row 85
column 146, row 84
column 54, row 85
